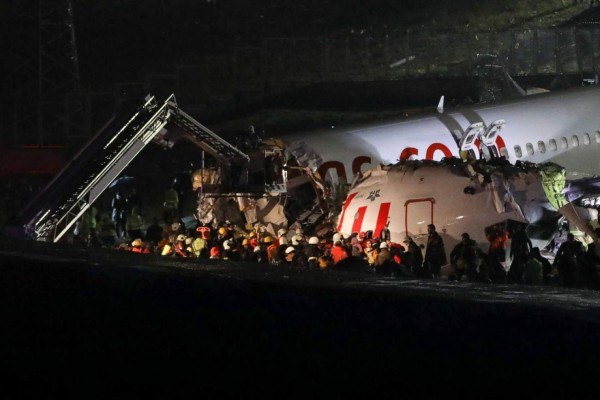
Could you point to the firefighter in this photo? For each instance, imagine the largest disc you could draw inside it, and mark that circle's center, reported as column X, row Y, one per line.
column 312, row 252
column 179, row 246
column 137, row 246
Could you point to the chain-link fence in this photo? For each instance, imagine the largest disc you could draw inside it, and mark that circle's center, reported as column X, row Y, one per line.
column 250, row 74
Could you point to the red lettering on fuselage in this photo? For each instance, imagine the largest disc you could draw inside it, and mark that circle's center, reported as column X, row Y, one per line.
column 406, row 153
column 358, row 162
column 338, row 166
column 437, row 147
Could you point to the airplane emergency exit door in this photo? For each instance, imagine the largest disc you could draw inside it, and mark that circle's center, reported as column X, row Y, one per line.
column 418, row 213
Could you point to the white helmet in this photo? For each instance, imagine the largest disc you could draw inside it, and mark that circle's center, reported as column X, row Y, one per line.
column 383, row 245
column 289, row 250
column 188, row 240
column 181, row 237
column 283, row 240
column 313, row 240
column 337, row 237
column 281, row 232
column 227, row 245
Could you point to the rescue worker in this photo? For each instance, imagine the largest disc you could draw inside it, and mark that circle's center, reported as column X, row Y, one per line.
column 290, row 252
column 496, row 257
column 465, row 258
column 199, row 246
column 312, row 252
column 356, row 249
column 261, row 254
column 134, row 223
column 384, row 259
column 272, row 246
column 165, row 247
column 119, row 214
column 569, row 257
column 227, row 249
column 520, row 247
column 325, row 262
column 281, row 234
column 435, row 254
column 338, row 252
column 179, row 246
column 247, row 252
column 371, row 253
column 176, row 227
column 137, row 246
column 215, row 253
column 413, row 256
column 223, row 235
column 283, row 245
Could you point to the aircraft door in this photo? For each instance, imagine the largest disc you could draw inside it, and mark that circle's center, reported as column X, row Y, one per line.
column 467, row 143
column 418, row 213
column 488, row 139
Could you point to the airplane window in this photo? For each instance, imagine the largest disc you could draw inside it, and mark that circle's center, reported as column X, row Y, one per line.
column 541, row 147
column 518, row 152
column 586, row 138
column 564, row 143
column 552, row 144
column 575, row 140
column 529, row 149
column 597, row 136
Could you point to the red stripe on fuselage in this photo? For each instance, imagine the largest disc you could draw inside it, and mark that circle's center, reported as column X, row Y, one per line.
column 359, row 220
column 346, row 204
column 384, row 212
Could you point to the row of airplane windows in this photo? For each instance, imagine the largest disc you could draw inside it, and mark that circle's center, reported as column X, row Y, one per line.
column 553, row 145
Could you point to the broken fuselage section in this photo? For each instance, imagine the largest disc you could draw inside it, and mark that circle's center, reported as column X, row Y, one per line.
column 268, row 190
column 480, row 198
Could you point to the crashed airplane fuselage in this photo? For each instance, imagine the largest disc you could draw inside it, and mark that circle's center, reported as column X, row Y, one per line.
column 457, row 197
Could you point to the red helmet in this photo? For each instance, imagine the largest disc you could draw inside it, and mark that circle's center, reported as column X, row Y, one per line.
column 215, row 252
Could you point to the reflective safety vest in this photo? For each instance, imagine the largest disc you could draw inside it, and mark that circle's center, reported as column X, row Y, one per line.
column 197, row 245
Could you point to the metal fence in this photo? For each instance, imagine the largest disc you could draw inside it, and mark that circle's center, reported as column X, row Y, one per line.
column 249, row 74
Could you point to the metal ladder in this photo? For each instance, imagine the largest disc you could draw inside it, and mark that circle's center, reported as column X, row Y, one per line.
column 104, row 158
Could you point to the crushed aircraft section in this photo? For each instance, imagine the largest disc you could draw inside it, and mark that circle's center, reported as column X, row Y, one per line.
column 459, row 196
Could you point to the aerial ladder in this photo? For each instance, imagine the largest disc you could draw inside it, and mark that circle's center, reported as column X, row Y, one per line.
column 51, row 214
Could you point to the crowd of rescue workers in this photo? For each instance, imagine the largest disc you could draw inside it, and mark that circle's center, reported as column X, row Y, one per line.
column 573, row 264
column 123, row 227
